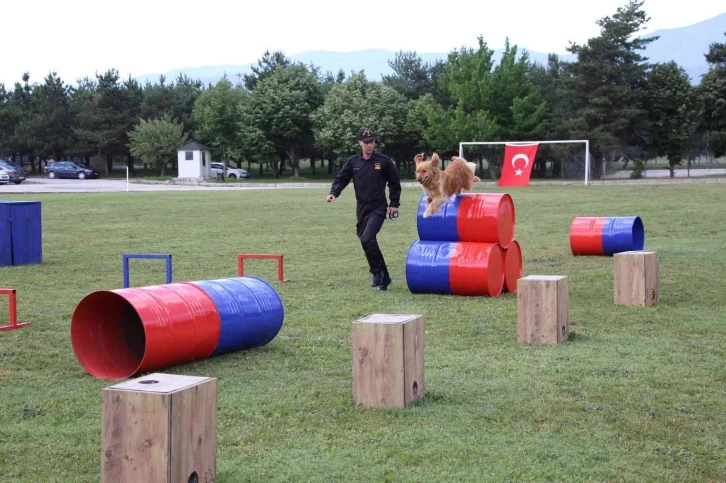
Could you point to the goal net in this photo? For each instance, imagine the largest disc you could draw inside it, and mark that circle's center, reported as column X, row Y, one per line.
column 554, row 160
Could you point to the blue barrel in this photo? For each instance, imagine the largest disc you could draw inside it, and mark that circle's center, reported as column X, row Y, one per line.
column 623, row 234
column 441, row 226
column 250, row 311
column 427, row 267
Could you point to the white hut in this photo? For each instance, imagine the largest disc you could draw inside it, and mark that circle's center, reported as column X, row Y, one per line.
column 194, row 161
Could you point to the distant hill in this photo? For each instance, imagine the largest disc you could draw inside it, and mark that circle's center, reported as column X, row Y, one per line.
column 685, row 45
column 688, row 45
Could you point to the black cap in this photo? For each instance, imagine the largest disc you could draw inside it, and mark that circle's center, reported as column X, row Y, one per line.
column 366, row 134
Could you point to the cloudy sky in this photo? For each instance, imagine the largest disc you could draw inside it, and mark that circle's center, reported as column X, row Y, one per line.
column 77, row 38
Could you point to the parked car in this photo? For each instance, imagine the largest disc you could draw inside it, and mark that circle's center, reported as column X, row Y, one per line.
column 16, row 173
column 70, row 169
column 4, row 176
column 232, row 173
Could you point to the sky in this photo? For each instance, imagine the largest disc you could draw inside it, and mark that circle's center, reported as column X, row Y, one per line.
column 77, row 38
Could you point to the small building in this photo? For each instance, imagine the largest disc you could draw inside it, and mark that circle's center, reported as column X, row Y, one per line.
column 194, row 162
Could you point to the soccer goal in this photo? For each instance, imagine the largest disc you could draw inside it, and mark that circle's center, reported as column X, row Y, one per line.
column 555, row 160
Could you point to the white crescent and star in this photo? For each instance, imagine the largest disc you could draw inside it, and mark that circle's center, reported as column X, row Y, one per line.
column 518, row 172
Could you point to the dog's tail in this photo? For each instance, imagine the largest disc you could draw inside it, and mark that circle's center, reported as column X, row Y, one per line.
column 472, row 167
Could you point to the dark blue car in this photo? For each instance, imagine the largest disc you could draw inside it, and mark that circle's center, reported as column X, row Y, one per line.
column 70, row 169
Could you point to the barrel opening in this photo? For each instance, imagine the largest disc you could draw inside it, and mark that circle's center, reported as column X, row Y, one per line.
column 108, row 336
column 638, row 234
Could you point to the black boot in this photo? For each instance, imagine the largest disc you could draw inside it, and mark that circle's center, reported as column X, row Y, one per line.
column 385, row 282
column 377, row 279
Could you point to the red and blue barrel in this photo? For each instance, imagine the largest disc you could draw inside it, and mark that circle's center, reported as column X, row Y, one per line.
column 250, row 312
column 606, row 236
column 455, row 268
column 471, row 217
column 119, row 333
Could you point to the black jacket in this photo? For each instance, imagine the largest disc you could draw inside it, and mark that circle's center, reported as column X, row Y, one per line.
column 369, row 180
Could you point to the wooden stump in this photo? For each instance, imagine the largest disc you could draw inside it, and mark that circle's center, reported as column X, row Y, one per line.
column 388, row 360
column 543, row 309
column 636, row 277
column 159, row 428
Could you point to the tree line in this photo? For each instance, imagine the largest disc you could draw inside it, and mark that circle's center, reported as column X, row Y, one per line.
column 284, row 111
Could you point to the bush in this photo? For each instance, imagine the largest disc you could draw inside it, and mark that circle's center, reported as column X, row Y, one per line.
column 638, row 168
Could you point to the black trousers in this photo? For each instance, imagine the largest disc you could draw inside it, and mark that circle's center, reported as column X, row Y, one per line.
column 368, row 226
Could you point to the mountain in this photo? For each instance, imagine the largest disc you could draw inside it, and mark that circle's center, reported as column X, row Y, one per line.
column 685, row 45
column 688, row 45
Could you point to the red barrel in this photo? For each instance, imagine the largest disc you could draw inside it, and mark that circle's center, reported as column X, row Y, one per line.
column 487, row 218
column 476, row 269
column 119, row 333
column 586, row 235
column 512, row 266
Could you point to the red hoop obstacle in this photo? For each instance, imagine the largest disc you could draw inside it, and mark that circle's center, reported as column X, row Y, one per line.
column 242, row 256
column 12, row 310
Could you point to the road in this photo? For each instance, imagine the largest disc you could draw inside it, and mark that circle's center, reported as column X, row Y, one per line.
column 45, row 185
column 664, row 173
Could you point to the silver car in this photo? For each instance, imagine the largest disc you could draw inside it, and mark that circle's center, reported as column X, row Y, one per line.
column 232, row 173
column 4, row 176
column 16, row 172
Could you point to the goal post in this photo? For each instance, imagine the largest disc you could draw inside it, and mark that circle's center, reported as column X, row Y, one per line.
column 524, row 143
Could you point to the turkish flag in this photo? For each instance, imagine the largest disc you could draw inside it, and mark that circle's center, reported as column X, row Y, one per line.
column 517, row 166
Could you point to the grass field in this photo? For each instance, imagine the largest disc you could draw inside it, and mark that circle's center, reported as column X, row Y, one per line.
column 635, row 395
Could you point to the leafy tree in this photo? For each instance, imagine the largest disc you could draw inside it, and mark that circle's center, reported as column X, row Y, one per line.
column 712, row 99
column 487, row 102
column 329, row 80
column 436, row 132
column 515, row 100
column 53, row 117
column 552, row 81
column 352, row 105
column 7, row 122
column 716, row 55
column 468, row 82
column 607, row 83
column 20, row 109
column 185, row 94
column 82, row 111
column 217, row 115
column 265, row 67
column 411, row 78
column 106, row 115
column 669, row 103
column 281, row 107
column 175, row 99
column 157, row 142
column 158, row 99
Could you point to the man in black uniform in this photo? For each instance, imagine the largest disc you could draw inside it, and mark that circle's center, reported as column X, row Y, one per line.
column 370, row 172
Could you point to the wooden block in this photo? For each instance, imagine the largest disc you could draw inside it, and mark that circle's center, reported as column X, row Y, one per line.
column 636, row 278
column 388, row 360
column 543, row 309
column 159, row 428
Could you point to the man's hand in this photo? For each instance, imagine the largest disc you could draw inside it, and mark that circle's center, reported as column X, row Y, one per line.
column 330, row 198
column 392, row 212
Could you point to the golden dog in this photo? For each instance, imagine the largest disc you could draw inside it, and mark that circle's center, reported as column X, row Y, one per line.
column 439, row 185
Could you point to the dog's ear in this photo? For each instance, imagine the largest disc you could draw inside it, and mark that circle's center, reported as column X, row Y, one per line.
column 435, row 159
column 418, row 158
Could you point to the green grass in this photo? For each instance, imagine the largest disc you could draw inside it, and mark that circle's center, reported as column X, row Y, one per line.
column 635, row 395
